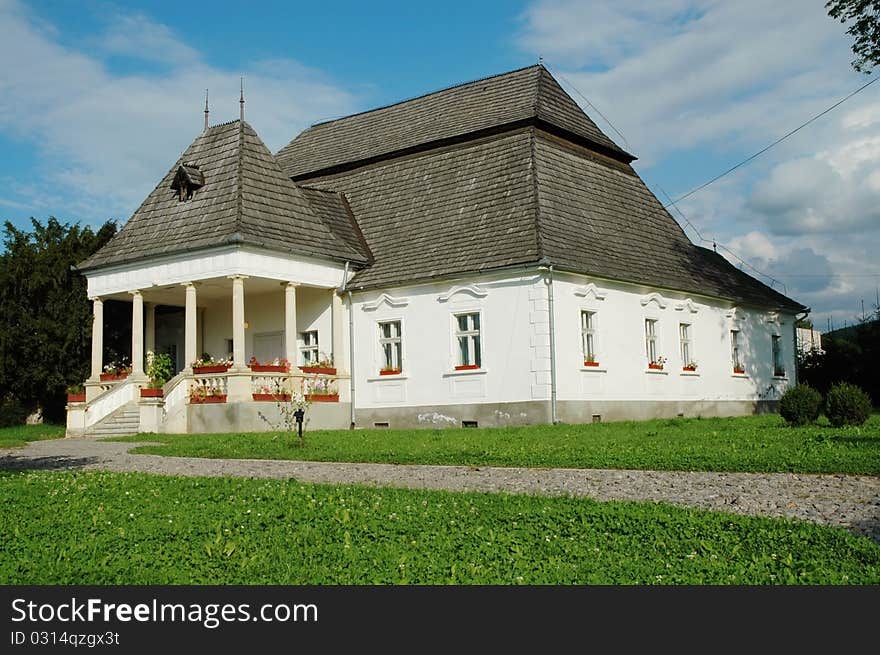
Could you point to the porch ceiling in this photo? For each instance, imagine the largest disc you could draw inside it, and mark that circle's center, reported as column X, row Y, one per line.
column 207, row 290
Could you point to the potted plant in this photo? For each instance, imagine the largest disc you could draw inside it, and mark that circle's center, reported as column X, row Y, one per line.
column 738, row 368
column 204, row 395
column 277, row 365
column 322, row 366
column 207, row 364
column 116, row 371
column 657, row 364
column 690, row 366
column 389, row 370
column 275, row 393
column 590, row 360
column 76, row 393
column 321, row 389
column 160, row 371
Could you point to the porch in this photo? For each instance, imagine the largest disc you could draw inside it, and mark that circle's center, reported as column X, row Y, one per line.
column 267, row 338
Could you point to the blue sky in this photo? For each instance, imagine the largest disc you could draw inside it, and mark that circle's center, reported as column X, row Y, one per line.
column 98, row 98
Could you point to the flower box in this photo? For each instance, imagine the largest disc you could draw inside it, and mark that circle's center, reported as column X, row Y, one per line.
column 270, row 368
column 467, row 367
column 655, row 367
column 219, row 368
column 112, row 377
column 151, row 393
column 204, row 400
column 739, row 371
column 323, row 370
column 274, row 397
column 322, row 397
column 689, row 368
column 591, row 363
column 391, row 371
column 76, row 397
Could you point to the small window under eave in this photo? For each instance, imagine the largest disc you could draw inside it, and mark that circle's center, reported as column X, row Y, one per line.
column 187, row 179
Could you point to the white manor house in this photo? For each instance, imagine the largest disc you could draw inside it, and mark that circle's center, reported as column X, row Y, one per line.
column 482, row 255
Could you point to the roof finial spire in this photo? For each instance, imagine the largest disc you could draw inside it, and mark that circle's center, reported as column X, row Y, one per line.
column 241, row 100
column 206, row 109
column 540, row 60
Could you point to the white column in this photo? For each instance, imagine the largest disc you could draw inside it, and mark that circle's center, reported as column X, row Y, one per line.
column 137, row 334
column 238, row 360
column 290, row 351
column 97, row 338
column 189, row 349
column 150, row 329
column 338, row 324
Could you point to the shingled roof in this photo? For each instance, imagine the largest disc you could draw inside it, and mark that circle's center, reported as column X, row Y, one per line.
column 513, row 198
column 244, row 199
column 528, row 95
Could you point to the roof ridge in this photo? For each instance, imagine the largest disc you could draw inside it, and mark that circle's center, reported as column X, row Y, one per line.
column 539, row 242
column 239, row 179
column 425, row 95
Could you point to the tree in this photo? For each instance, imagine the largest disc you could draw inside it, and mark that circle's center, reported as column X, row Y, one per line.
column 45, row 316
column 865, row 29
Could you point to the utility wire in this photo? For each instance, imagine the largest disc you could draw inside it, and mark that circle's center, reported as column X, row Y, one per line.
column 584, row 98
column 775, row 143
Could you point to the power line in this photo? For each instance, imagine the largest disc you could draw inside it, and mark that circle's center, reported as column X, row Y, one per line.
column 584, row 98
column 775, row 143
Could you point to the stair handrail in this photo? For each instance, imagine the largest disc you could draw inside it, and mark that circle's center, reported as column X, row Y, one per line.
column 108, row 402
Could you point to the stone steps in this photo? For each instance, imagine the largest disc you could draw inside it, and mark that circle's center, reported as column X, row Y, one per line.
column 123, row 422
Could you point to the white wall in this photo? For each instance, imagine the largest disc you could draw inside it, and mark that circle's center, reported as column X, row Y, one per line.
column 623, row 374
column 516, row 353
column 426, row 315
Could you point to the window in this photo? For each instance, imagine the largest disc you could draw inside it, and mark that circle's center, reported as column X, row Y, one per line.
column 687, row 350
column 390, row 345
column 735, row 352
column 467, row 337
column 651, row 340
column 778, row 366
column 588, row 337
column 308, row 352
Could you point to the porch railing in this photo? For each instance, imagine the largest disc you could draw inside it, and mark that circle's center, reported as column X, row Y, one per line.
column 119, row 394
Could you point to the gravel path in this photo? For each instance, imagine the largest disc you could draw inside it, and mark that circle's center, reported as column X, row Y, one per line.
column 849, row 501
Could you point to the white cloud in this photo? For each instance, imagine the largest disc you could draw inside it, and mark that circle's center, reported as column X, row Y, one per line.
column 696, row 80
column 105, row 138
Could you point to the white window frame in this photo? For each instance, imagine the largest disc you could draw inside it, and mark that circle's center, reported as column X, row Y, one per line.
column 382, row 340
column 652, row 338
column 686, row 343
column 480, row 333
column 777, row 356
column 591, row 332
column 736, row 347
column 308, row 347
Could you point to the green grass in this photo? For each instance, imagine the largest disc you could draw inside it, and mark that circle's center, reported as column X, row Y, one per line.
column 754, row 443
column 114, row 528
column 20, row 435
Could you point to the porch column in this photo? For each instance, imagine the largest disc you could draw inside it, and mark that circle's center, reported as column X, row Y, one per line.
column 137, row 334
column 290, row 351
column 150, row 329
column 238, row 360
column 97, row 339
column 189, row 348
column 338, row 325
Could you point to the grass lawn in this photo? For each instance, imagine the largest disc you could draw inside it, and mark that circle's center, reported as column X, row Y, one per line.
column 19, row 435
column 753, row 443
column 133, row 528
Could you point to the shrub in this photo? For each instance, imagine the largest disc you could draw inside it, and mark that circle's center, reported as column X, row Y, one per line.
column 12, row 412
column 800, row 405
column 847, row 404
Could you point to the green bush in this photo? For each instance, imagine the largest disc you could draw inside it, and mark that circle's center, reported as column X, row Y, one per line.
column 847, row 404
column 800, row 405
column 12, row 412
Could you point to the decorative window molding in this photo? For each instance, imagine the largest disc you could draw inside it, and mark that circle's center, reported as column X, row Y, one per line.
column 391, row 301
column 591, row 289
column 688, row 304
column 655, row 297
column 473, row 289
column 734, row 314
column 773, row 317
